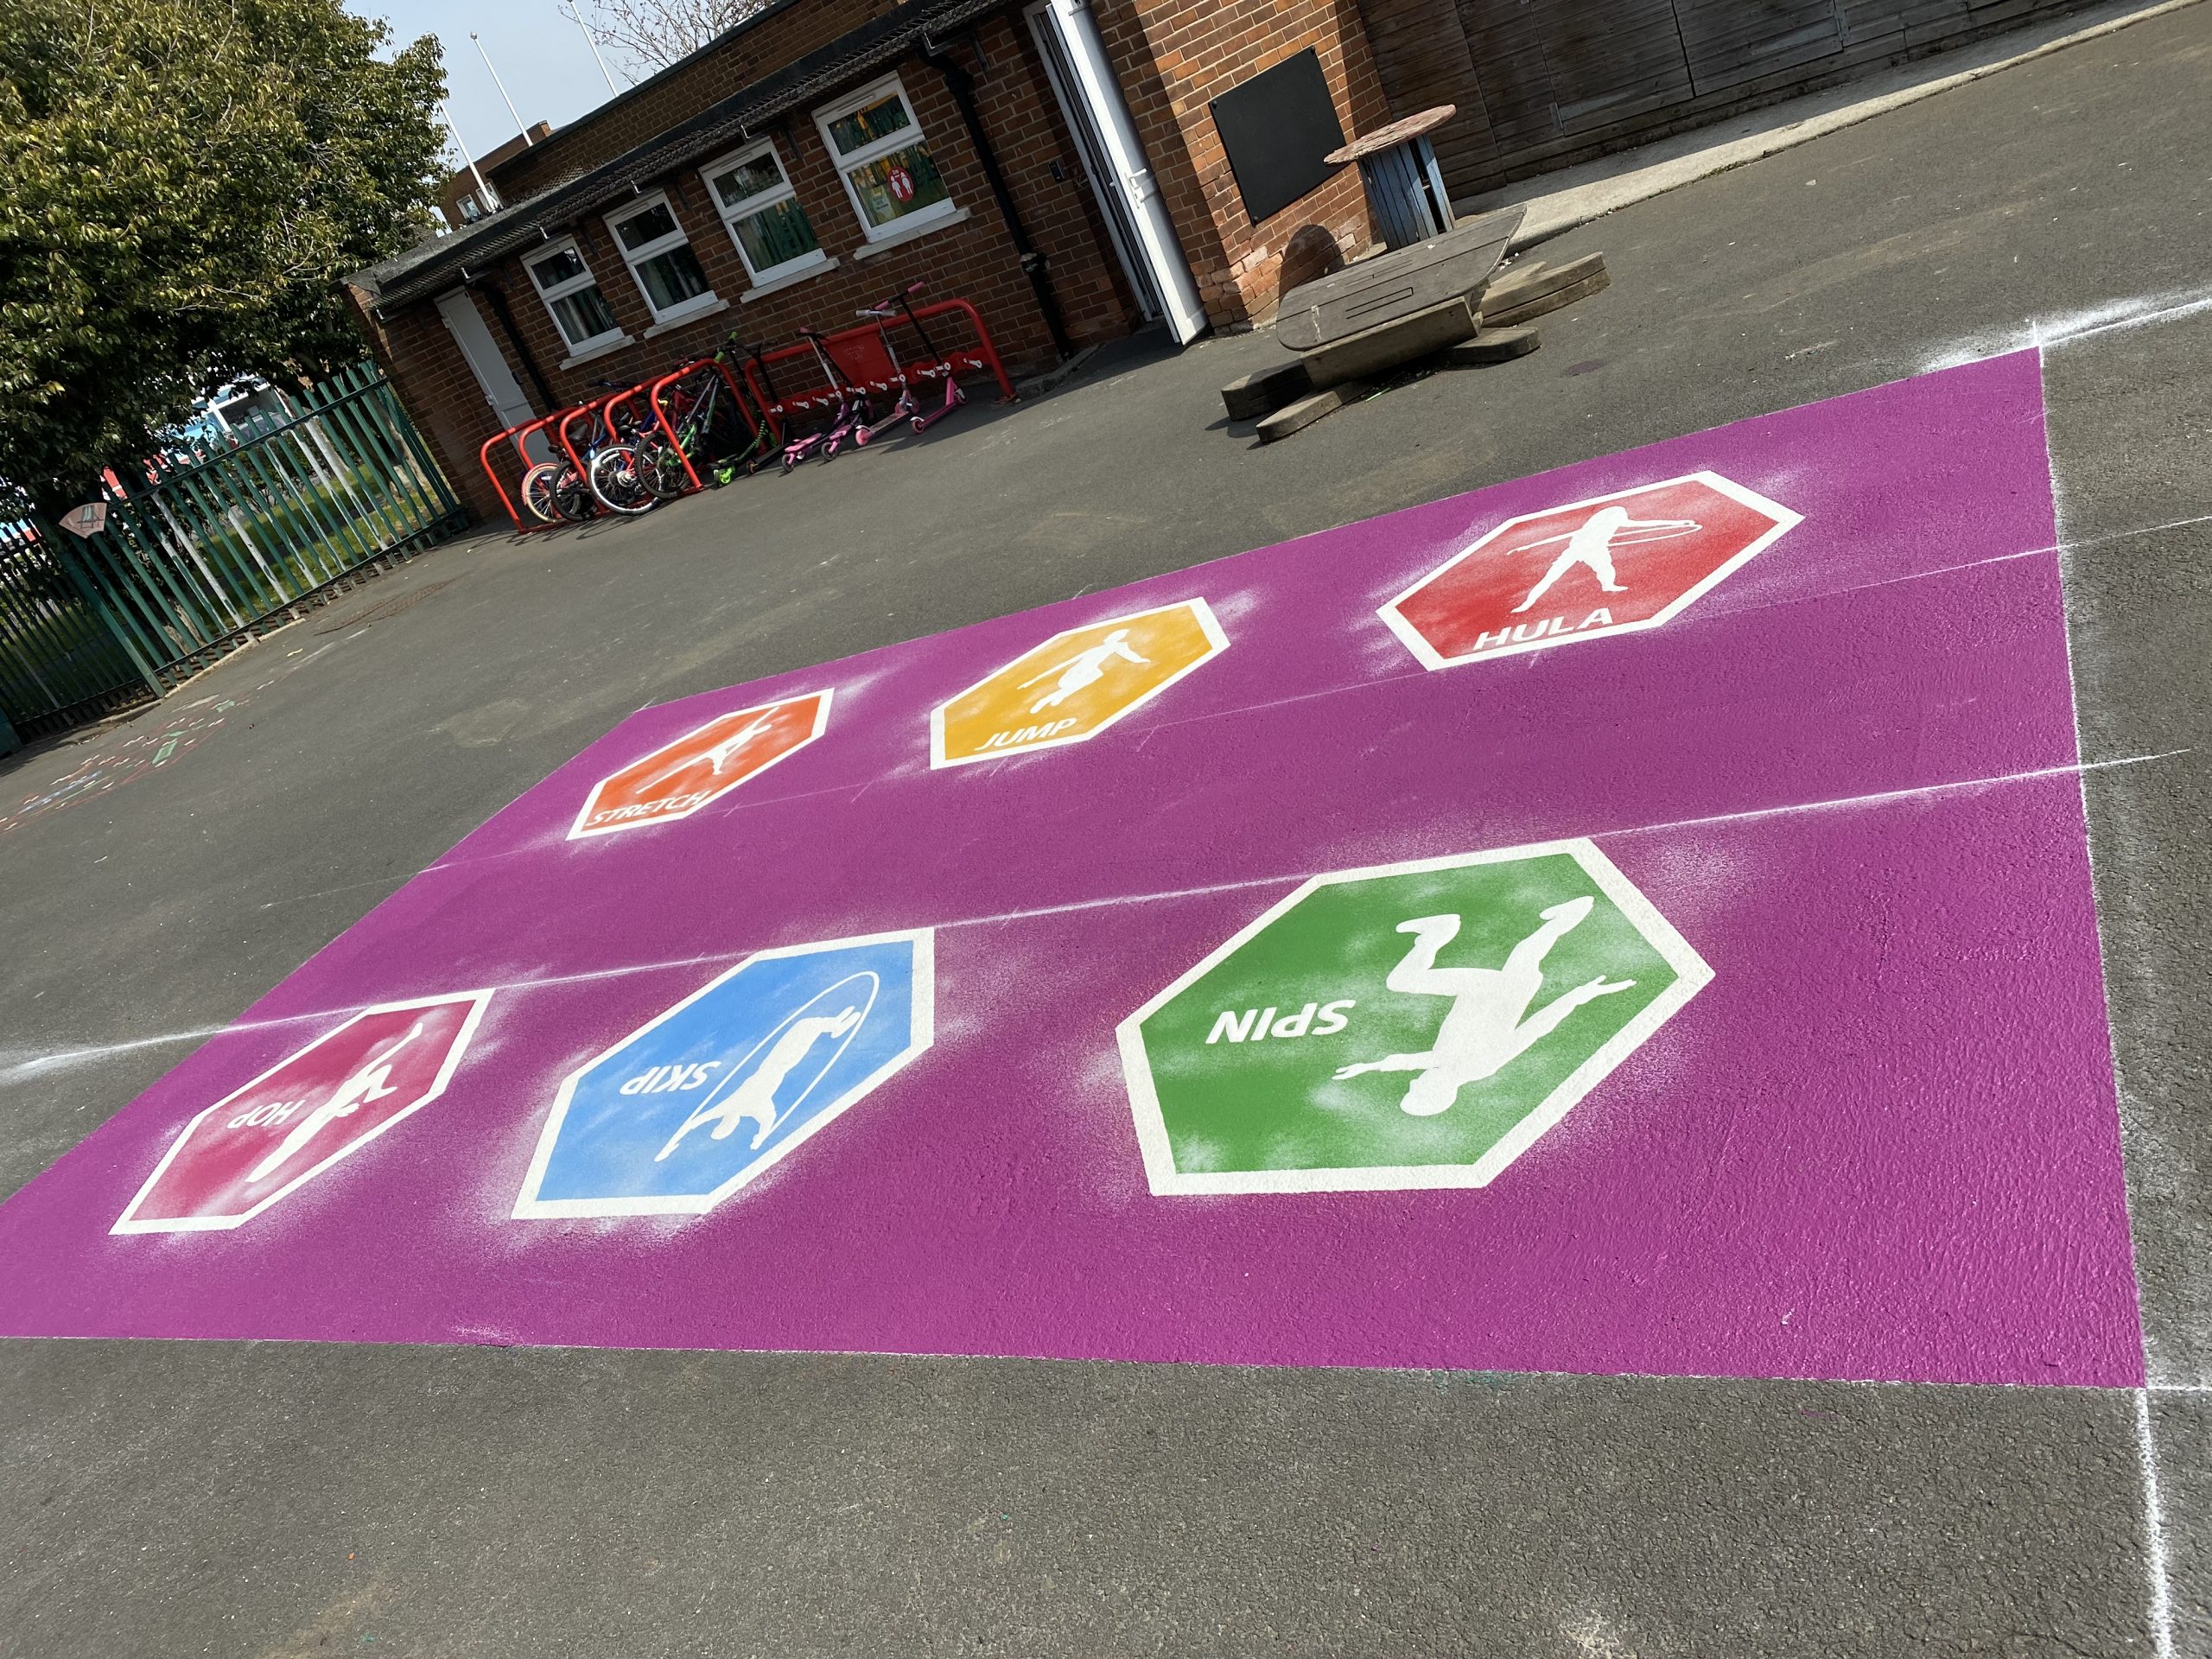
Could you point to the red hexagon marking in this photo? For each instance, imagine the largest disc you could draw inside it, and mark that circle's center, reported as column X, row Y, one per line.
column 1613, row 564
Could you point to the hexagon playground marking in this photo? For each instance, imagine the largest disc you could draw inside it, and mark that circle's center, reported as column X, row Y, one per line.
column 700, row 767
column 325, row 1101
column 720, row 1087
column 1415, row 1025
column 1071, row 687
column 1611, row 564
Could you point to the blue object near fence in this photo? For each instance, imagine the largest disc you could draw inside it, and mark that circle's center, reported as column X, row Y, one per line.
column 210, row 545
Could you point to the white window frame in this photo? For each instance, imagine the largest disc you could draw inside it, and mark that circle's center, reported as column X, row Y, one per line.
column 707, row 300
column 791, row 269
column 562, row 290
column 906, row 224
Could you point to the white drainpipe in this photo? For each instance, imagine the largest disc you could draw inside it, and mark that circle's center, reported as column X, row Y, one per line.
column 1079, row 32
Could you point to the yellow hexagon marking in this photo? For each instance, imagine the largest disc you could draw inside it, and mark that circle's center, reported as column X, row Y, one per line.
column 1075, row 684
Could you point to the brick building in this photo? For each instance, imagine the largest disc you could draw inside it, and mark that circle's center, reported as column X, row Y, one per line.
column 1062, row 163
column 825, row 152
column 461, row 200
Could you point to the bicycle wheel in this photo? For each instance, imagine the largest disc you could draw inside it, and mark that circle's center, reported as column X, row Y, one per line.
column 660, row 469
column 572, row 497
column 537, row 491
column 615, row 481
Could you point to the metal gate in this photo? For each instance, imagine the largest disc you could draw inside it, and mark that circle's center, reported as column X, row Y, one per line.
column 218, row 541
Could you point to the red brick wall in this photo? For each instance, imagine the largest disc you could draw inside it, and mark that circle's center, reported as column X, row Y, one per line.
column 975, row 260
column 778, row 38
column 1174, row 58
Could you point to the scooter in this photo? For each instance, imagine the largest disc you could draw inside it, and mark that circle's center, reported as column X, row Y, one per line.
column 851, row 414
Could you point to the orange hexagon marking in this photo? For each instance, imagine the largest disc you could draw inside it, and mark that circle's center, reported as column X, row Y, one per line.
column 1074, row 685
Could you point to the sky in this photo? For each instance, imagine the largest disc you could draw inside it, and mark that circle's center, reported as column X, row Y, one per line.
column 541, row 55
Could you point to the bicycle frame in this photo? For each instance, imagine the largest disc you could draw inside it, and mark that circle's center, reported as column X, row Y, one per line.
column 668, row 425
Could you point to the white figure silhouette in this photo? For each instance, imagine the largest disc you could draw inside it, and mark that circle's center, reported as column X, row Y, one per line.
column 1489, row 1024
column 754, row 1099
column 717, row 757
column 1086, row 668
column 365, row 1085
column 1591, row 546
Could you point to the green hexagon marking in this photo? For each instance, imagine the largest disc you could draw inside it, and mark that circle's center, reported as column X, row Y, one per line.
column 1414, row 1025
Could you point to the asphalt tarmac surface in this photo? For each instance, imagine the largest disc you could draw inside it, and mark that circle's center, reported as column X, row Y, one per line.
column 294, row 1498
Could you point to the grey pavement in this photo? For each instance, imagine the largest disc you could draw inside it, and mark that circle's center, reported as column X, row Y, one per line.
column 289, row 1499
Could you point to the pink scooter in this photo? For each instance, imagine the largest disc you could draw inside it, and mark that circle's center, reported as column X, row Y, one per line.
column 907, row 409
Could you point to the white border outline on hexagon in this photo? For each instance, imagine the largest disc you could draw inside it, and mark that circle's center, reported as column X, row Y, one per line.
column 1429, row 657
column 1691, row 975
column 921, row 1031
column 580, row 832
column 128, row 1222
column 1217, row 642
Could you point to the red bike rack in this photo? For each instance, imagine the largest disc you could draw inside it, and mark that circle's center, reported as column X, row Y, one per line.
column 858, row 353
column 570, row 417
column 519, row 436
column 661, row 416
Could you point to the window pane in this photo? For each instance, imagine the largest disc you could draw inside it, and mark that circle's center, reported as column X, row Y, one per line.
column 584, row 315
column 776, row 235
column 672, row 277
column 552, row 271
column 863, row 127
column 648, row 227
column 748, row 179
column 892, row 186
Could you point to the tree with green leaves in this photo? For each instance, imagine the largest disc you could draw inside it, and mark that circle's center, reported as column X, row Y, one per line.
column 182, row 184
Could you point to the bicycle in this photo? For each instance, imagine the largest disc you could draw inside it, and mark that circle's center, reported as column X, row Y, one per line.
column 561, row 489
column 612, row 468
column 661, row 459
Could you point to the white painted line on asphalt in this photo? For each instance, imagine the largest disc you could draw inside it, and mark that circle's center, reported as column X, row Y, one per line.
column 2066, row 327
column 2154, row 1530
column 22, row 1066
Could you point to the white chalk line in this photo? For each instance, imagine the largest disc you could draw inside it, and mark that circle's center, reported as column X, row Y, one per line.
column 762, row 801
column 2156, row 1565
column 91, row 1053
column 2037, row 333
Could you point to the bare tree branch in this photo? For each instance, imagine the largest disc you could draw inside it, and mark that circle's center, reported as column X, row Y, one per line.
column 657, row 33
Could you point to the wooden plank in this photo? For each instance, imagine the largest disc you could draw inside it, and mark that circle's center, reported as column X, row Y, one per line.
column 1546, row 304
column 1518, row 287
column 1251, row 395
column 1306, row 411
column 1395, row 284
column 1492, row 345
column 1372, row 352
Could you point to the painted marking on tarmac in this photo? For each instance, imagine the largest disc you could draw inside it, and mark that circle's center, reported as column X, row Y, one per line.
column 1075, row 684
column 263, row 1142
column 1589, row 570
column 1893, row 1091
column 1411, row 1026
column 719, row 1089
column 694, row 770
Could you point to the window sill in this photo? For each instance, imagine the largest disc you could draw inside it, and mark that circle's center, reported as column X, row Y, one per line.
column 907, row 233
column 790, row 279
column 688, row 314
column 600, row 348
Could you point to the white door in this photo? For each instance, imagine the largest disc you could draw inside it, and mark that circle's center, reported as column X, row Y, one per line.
column 1083, row 56
column 501, row 391
column 1097, row 166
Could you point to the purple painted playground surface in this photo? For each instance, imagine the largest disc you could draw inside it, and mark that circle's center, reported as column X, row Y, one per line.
column 1883, row 1143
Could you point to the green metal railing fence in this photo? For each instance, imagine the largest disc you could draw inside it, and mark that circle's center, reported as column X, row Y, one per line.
column 223, row 540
